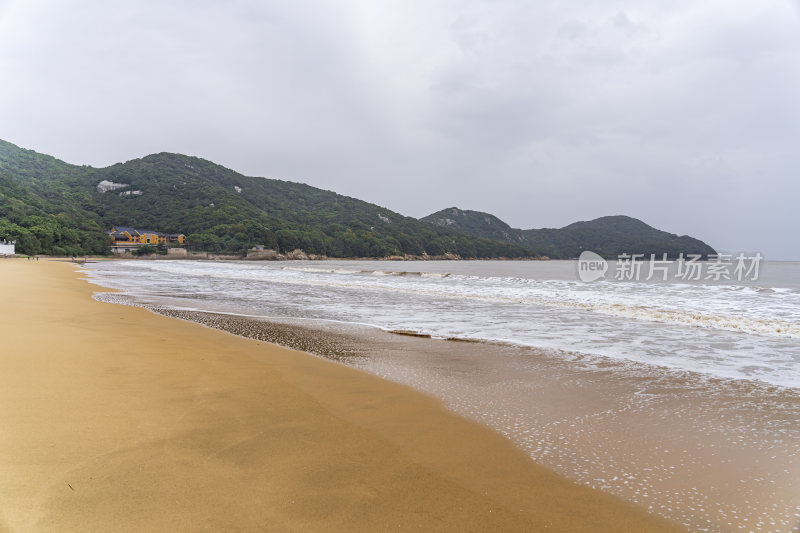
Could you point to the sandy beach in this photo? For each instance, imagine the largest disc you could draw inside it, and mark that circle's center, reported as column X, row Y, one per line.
column 115, row 418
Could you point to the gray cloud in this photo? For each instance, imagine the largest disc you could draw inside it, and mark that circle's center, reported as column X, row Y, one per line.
column 682, row 114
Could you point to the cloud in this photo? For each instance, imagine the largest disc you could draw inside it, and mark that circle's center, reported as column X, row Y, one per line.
column 684, row 115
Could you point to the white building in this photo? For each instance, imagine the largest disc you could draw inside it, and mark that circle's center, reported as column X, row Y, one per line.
column 7, row 247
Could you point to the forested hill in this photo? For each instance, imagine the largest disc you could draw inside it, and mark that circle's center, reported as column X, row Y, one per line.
column 608, row 236
column 50, row 206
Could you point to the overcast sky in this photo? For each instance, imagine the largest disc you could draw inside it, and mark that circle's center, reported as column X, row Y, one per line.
column 685, row 114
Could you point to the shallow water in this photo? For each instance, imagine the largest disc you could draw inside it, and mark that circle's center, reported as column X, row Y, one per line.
column 743, row 330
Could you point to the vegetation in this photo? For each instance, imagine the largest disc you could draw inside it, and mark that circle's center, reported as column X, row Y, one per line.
column 50, row 206
column 44, row 217
column 149, row 250
column 606, row 236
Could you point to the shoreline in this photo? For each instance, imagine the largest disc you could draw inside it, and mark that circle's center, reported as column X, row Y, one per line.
column 698, row 449
column 314, row 327
column 117, row 418
column 222, row 257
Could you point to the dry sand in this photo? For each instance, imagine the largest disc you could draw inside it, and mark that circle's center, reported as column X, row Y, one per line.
column 113, row 418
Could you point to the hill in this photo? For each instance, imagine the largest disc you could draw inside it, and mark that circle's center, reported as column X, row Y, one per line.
column 50, row 206
column 608, row 236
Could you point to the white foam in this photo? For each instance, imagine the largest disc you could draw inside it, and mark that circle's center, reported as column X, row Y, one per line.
column 743, row 332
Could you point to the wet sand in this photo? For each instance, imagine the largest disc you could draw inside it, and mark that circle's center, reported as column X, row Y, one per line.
column 115, row 418
column 711, row 454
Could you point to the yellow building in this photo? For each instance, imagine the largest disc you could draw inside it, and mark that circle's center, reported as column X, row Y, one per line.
column 126, row 238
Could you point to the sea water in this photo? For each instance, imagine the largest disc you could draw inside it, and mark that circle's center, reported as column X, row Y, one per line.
column 744, row 330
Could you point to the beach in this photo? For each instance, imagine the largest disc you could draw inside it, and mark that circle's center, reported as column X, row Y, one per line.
column 115, row 418
column 681, row 398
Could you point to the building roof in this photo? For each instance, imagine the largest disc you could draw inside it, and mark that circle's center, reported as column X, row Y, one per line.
column 134, row 231
column 121, row 230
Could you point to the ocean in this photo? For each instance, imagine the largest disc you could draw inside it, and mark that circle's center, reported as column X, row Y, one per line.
column 743, row 330
column 652, row 390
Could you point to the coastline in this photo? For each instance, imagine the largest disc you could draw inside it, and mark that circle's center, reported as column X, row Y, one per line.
column 299, row 255
column 117, row 418
column 710, row 452
column 663, row 439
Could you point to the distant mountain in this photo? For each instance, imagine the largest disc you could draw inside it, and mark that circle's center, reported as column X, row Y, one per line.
column 608, row 236
column 50, row 206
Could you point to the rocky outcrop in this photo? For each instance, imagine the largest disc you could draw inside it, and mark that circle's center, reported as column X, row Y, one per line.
column 106, row 185
column 260, row 253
